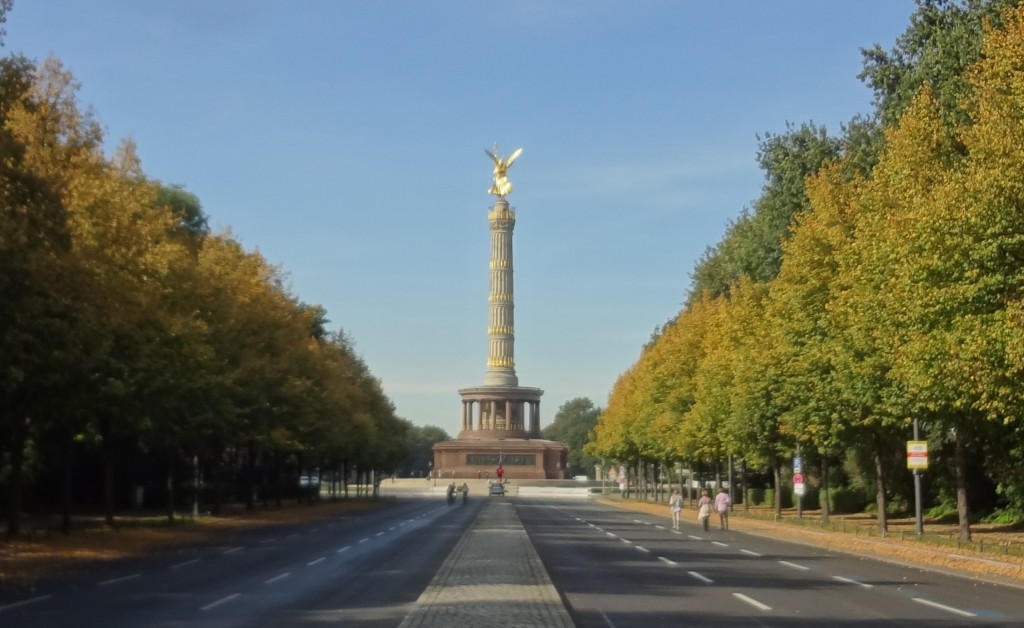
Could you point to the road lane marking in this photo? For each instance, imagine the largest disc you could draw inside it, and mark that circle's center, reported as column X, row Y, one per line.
column 695, row 538
column 293, row 535
column 318, row 560
column 379, row 534
column 222, row 600
column 660, row 527
column 667, row 561
column 637, row 521
column 749, row 552
column 271, row 540
column 391, row 529
column 186, row 563
column 344, row 549
column 752, row 602
column 364, row 540
column 626, row 541
column 643, row 549
column 34, row 600
column 701, row 577
column 943, row 607
column 234, row 549
column 794, row 565
column 852, row 581
column 719, row 544
column 277, row 577
column 121, row 579
column 676, row 532
column 612, row 535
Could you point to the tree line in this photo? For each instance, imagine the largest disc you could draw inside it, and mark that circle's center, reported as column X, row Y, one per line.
column 877, row 280
column 142, row 354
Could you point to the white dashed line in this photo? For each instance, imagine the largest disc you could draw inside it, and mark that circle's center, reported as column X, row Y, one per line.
column 752, row 602
column 264, row 541
column 318, row 560
column 701, row 577
column 121, row 579
column 185, row 564
column 277, row 577
column 34, row 600
column 943, row 607
column 222, row 600
column 852, row 581
column 637, row 521
column 627, row 541
column 749, row 552
column 643, row 549
column 379, row 534
column 660, row 527
column 614, row 536
column 794, row 565
column 667, row 561
column 344, row 549
column 234, row 549
column 719, row 544
column 364, row 540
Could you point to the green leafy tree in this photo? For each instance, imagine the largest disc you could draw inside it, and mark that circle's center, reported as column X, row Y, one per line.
column 572, row 425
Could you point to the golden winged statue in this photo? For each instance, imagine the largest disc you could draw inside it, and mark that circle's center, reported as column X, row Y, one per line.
column 502, row 187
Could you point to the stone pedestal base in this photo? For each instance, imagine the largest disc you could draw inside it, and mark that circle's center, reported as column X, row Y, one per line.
column 521, row 459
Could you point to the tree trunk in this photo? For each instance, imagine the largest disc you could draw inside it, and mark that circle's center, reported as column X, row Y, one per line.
column 962, row 509
column 777, row 477
column 250, row 477
column 217, row 475
column 823, row 495
column 108, row 472
column 170, row 487
column 17, row 462
column 344, row 476
column 883, row 523
column 67, row 446
column 746, row 491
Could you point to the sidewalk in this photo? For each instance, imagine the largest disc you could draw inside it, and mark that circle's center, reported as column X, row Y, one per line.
column 493, row 577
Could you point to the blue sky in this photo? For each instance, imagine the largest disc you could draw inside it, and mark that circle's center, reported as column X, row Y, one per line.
column 344, row 140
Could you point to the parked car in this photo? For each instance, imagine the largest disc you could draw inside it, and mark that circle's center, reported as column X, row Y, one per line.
column 496, row 489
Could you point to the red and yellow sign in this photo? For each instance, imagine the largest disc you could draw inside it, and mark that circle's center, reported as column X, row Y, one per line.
column 917, row 454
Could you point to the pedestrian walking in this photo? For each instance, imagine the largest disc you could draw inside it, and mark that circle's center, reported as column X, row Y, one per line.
column 675, row 503
column 704, row 509
column 722, row 504
column 451, row 493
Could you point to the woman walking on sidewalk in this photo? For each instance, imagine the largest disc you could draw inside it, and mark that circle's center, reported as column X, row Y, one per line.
column 722, row 503
column 704, row 509
column 675, row 503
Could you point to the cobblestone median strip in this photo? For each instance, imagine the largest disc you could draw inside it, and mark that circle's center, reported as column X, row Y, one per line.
column 493, row 577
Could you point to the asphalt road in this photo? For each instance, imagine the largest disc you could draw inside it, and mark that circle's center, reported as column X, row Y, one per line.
column 623, row 569
column 362, row 569
column 613, row 569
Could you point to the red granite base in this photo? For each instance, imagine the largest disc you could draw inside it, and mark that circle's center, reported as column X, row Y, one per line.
column 520, row 458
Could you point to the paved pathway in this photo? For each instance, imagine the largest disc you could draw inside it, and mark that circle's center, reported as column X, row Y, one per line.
column 493, row 577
